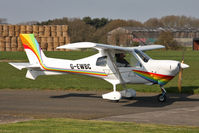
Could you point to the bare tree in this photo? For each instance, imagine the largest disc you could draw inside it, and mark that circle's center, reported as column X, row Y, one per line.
column 153, row 23
column 166, row 39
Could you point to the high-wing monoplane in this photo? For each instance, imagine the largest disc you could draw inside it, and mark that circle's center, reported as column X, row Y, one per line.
column 108, row 64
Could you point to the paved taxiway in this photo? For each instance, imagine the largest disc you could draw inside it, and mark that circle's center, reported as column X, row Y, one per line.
column 19, row 105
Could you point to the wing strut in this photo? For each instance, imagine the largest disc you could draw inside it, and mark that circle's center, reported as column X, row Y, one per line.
column 117, row 70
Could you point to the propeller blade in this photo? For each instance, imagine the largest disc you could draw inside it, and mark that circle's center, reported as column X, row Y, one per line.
column 180, row 80
column 181, row 66
column 183, row 55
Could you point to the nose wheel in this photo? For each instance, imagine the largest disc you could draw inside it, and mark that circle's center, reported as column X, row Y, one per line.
column 162, row 97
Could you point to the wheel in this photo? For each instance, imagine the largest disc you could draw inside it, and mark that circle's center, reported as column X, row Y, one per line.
column 162, row 98
column 130, row 98
column 116, row 101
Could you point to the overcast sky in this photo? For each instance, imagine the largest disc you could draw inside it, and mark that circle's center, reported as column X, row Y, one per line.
column 16, row 11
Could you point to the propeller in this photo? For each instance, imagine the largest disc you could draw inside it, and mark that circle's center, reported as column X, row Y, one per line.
column 180, row 78
column 181, row 67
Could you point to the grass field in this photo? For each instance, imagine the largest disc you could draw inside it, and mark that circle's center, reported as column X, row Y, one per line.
column 85, row 126
column 13, row 78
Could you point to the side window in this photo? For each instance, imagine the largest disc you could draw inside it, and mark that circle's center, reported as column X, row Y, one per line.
column 101, row 61
column 143, row 56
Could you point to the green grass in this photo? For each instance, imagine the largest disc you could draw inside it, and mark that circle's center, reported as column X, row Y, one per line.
column 86, row 126
column 56, row 54
column 13, row 78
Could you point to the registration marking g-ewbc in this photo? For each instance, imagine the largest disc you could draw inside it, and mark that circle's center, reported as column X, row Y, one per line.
column 80, row 66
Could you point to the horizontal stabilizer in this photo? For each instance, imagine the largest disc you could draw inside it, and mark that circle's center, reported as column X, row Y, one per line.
column 20, row 66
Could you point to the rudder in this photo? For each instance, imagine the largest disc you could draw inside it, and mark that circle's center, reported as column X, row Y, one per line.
column 33, row 51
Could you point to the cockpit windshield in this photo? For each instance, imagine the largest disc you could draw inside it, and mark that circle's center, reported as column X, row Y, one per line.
column 126, row 59
column 142, row 55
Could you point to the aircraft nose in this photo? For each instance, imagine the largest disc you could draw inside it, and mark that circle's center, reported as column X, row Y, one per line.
column 183, row 66
column 177, row 66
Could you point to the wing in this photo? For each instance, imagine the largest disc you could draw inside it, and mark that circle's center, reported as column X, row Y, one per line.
column 80, row 45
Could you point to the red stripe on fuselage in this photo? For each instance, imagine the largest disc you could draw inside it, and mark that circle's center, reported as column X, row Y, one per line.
column 155, row 74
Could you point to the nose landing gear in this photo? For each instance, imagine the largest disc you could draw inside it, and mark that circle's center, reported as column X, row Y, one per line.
column 162, row 97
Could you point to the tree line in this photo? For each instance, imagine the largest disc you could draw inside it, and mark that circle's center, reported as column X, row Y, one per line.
column 88, row 29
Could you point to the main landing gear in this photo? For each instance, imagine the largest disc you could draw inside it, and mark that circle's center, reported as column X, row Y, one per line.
column 116, row 95
column 113, row 96
column 129, row 93
column 162, row 97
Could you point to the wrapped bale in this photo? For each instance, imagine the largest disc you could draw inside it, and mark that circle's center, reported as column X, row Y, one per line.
column 14, row 43
column 59, row 30
column 41, row 31
column 5, row 30
column 43, row 43
column 61, row 42
column 11, row 30
column 17, row 30
column 53, row 30
column 2, row 44
column 19, row 44
column 65, row 33
column 22, row 29
column 65, row 28
column 67, row 41
column 47, row 31
column 62, row 39
column 35, row 30
column 29, row 29
column 50, row 44
column 55, row 39
column 1, row 30
column 56, row 43
column 8, row 45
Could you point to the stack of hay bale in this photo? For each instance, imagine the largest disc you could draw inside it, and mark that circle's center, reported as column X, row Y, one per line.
column 48, row 36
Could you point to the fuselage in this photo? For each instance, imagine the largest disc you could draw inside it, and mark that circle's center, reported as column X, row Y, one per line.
column 148, row 71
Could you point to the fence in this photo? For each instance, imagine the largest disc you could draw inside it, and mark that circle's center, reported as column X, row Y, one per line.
column 48, row 36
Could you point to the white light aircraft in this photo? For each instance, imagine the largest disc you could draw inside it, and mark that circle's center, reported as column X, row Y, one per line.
column 108, row 64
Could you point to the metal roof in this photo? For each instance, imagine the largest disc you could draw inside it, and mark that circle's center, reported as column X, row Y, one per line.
column 145, row 29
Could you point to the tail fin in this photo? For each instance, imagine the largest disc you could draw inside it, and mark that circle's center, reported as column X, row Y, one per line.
column 33, row 51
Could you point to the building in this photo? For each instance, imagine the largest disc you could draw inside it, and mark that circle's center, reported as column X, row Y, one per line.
column 130, row 36
column 196, row 44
